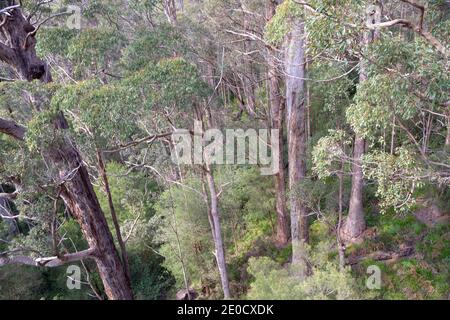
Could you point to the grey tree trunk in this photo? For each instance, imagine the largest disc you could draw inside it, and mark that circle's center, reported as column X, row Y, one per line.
column 217, row 234
column 296, row 124
column 277, row 121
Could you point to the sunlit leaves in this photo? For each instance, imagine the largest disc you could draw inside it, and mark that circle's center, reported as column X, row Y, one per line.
column 378, row 99
column 95, row 50
column 330, row 153
column 150, row 47
column 397, row 177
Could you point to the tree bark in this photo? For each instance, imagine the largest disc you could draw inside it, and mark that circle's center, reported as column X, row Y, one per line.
column 295, row 105
column 276, row 108
column 355, row 223
column 217, row 234
column 77, row 191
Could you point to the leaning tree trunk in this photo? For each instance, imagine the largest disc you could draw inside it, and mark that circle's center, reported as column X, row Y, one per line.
column 217, row 234
column 77, row 191
column 296, row 112
column 355, row 223
column 276, row 110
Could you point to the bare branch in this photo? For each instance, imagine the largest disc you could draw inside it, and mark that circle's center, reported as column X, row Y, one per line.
column 6, row 10
column 12, row 129
column 49, row 262
column 36, row 29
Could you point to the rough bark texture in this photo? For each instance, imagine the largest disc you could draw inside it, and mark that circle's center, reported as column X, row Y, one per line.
column 77, row 191
column 276, row 108
column 112, row 209
column 295, row 105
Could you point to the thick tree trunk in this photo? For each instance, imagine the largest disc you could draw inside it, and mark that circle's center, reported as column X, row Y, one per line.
column 77, row 191
column 355, row 223
column 217, row 234
column 276, row 108
column 295, row 105
column 81, row 200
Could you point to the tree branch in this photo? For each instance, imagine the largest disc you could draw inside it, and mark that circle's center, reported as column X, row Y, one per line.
column 12, row 129
column 418, row 29
column 49, row 262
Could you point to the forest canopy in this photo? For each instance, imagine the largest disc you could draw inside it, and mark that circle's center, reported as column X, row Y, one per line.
column 224, row 149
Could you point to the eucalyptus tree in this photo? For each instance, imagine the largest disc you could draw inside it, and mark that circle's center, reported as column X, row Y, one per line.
column 60, row 152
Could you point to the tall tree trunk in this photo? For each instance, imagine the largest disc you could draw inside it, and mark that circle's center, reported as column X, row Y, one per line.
column 276, row 108
column 77, row 191
column 217, row 234
column 295, row 105
column 214, row 219
column 355, row 223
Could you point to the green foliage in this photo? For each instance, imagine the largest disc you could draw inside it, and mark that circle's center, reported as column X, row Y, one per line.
column 329, row 153
column 95, row 50
column 273, row 282
column 20, row 283
column 186, row 235
column 134, row 197
column 150, row 281
column 378, row 99
column 172, row 82
column 279, row 26
column 55, row 41
column 151, row 47
column 396, row 175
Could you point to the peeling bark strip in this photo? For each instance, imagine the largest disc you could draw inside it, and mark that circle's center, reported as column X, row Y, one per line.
column 296, row 124
column 77, row 191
